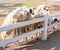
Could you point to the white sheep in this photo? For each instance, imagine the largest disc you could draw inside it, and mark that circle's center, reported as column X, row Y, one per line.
column 13, row 17
column 28, row 13
column 40, row 11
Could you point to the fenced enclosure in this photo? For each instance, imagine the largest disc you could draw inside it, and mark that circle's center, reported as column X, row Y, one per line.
column 42, row 35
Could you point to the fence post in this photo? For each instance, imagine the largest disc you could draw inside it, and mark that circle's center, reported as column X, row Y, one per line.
column 45, row 25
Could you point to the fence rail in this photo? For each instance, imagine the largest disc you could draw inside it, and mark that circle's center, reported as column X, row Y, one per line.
column 20, row 24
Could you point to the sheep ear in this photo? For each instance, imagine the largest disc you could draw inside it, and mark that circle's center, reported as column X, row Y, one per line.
column 30, row 10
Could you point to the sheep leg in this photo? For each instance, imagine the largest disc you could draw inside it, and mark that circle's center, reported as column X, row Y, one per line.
column 26, row 30
column 5, row 34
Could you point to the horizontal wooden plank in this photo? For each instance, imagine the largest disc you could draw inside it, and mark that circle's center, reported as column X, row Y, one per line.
column 20, row 24
column 4, row 42
column 54, row 16
column 54, row 24
column 13, row 47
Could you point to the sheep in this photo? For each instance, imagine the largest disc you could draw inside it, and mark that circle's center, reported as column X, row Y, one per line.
column 39, row 12
column 13, row 17
column 28, row 15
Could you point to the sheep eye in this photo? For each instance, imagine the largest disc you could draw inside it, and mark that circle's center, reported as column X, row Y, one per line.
column 44, row 8
column 20, row 10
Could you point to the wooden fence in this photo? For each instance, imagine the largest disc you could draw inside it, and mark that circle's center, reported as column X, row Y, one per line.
column 44, row 29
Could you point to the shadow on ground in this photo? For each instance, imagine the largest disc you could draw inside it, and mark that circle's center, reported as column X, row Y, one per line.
column 53, row 43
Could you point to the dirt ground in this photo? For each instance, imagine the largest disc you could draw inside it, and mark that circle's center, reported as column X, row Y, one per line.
column 53, row 42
